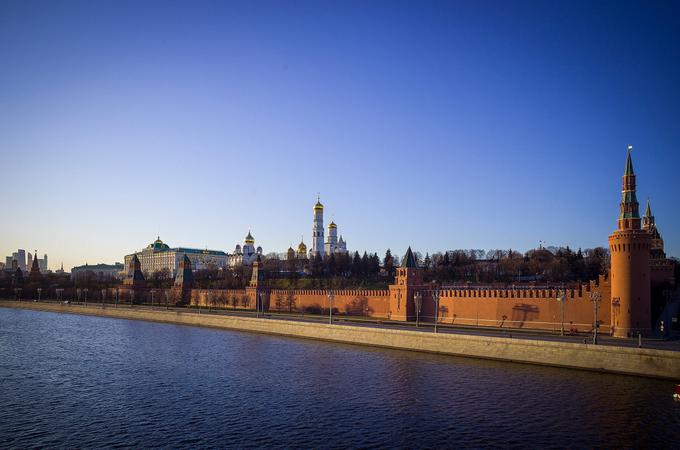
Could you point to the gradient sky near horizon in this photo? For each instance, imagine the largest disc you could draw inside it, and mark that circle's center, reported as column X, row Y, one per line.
column 439, row 125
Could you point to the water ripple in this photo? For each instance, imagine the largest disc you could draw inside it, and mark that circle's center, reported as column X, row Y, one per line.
column 70, row 381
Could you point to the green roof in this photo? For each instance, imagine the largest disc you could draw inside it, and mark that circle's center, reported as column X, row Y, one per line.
column 198, row 250
column 629, row 163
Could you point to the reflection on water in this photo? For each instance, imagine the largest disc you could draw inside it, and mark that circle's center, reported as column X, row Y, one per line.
column 78, row 381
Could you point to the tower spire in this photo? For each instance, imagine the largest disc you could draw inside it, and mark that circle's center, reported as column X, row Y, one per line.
column 629, row 162
column 629, row 214
column 648, row 209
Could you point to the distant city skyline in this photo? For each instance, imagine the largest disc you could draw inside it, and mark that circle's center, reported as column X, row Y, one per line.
column 435, row 125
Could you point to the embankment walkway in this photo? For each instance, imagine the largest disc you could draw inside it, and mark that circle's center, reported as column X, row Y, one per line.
column 604, row 358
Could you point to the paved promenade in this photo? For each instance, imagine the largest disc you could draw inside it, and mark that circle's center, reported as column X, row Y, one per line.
column 670, row 343
column 534, row 349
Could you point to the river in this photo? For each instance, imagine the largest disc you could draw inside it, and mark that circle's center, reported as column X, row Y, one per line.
column 82, row 381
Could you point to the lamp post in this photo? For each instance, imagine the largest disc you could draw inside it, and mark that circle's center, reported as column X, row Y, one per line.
column 418, row 303
column 85, row 292
column 153, row 292
column 258, row 302
column 117, row 296
column 103, row 297
column 167, row 298
column 39, row 292
column 330, row 306
column 561, row 297
column 435, row 297
column 595, row 298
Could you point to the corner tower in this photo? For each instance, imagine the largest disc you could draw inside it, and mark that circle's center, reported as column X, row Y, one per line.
column 629, row 247
column 317, row 229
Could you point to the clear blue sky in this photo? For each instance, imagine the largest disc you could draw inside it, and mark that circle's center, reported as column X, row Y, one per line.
column 441, row 125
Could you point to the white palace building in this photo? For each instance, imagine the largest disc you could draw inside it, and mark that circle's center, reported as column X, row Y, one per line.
column 158, row 256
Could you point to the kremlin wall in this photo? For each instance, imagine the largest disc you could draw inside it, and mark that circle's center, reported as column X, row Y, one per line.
column 622, row 298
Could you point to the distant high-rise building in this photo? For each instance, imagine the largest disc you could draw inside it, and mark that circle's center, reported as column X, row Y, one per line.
column 43, row 263
column 20, row 257
column 29, row 262
column 8, row 261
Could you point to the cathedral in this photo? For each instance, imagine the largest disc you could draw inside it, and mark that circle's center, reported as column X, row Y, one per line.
column 244, row 256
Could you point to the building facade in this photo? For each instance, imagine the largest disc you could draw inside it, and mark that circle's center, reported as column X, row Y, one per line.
column 158, row 256
column 100, row 271
column 20, row 257
column 244, row 256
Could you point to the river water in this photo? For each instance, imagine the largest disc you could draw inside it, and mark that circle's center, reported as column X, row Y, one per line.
column 79, row 381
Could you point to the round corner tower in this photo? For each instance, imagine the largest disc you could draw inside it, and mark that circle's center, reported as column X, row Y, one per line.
column 629, row 247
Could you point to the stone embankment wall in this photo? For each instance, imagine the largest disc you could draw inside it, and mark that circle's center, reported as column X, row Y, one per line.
column 632, row 361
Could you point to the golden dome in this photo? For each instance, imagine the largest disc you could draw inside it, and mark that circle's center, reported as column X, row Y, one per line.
column 302, row 248
column 318, row 206
column 249, row 239
column 332, row 225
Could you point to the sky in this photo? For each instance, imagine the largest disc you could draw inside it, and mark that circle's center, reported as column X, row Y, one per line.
column 436, row 124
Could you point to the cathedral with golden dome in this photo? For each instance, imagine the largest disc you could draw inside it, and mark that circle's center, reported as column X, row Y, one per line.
column 244, row 256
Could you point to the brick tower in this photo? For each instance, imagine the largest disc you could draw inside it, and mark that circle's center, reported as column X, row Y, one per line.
column 630, row 246
column 184, row 281
column 408, row 280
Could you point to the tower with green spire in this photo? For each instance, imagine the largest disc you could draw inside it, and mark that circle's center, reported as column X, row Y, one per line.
column 629, row 248
column 629, row 209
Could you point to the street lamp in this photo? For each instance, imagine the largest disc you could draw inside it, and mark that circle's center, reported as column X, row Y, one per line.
column 103, row 297
column 85, row 292
column 562, row 297
column 595, row 298
column 117, row 296
column 39, row 292
column 258, row 302
column 418, row 303
column 167, row 298
column 330, row 306
column 435, row 297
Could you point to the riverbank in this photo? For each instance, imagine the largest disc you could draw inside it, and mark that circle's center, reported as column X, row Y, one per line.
column 630, row 361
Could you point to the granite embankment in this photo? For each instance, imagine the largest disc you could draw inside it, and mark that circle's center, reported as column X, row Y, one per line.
column 631, row 361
